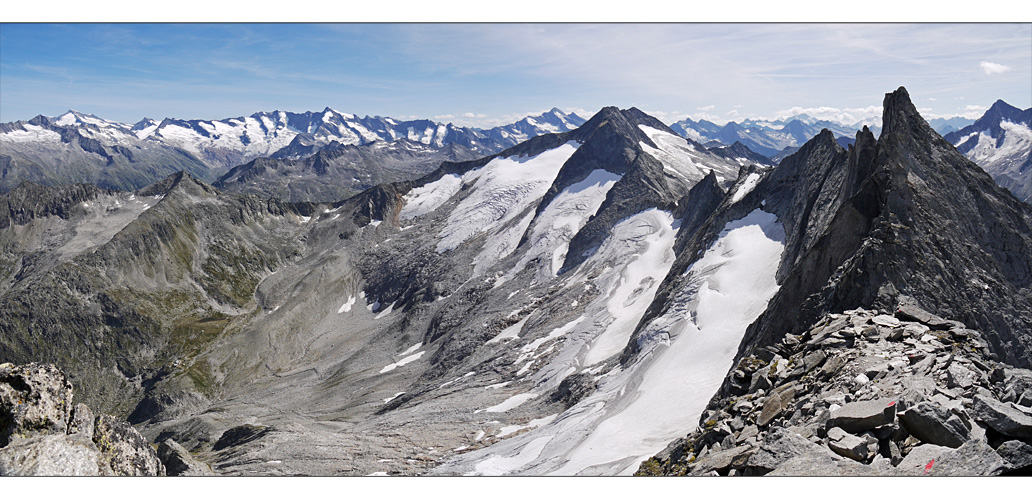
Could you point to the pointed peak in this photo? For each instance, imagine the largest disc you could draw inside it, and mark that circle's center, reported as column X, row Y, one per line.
column 1000, row 104
column 899, row 113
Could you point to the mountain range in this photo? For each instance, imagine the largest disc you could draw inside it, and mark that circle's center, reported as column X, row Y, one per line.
column 77, row 147
column 577, row 303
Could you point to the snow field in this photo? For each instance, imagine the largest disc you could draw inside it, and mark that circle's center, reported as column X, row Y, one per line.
column 563, row 217
column 502, row 190
column 425, row 199
column 636, row 411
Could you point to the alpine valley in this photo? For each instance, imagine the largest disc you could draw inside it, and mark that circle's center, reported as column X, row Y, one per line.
column 322, row 294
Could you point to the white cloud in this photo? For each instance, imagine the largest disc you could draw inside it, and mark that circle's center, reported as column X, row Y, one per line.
column 711, row 107
column 931, row 98
column 709, row 117
column 845, row 116
column 733, row 112
column 973, row 112
column 991, row 67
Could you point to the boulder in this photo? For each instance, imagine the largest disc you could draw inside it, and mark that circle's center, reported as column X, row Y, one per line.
column 772, row 408
column 52, row 455
column 124, row 449
column 911, row 312
column 974, row 458
column 179, row 462
column 1008, row 419
column 886, row 320
column 723, row 461
column 931, row 423
column 920, row 460
column 819, row 464
column 832, row 366
column 779, row 447
column 850, row 446
column 81, row 421
column 1017, row 453
column 35, row 399
column 958, row 376
column 860, row 416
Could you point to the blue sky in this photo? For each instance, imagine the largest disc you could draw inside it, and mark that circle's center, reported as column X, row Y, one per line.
column 488, row 74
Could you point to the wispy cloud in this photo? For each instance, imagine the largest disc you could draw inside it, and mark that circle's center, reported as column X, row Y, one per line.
column 992, row 68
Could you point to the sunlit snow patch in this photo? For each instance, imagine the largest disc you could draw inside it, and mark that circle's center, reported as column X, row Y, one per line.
column 746, row 187
column 511, row 332
column 404, row 361
column 510, row 403
column 346, row 307
column 425, row 199
column 502, row 190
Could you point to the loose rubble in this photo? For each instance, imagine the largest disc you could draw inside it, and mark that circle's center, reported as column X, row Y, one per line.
column 42, row 434
column 864, row 393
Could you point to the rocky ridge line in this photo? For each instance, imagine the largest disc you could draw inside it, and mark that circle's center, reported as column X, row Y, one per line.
column 864, row 393
column 43, row 434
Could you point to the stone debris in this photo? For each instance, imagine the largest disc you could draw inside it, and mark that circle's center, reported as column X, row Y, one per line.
column 179, row 462
column 44, row 435
column 865, row 393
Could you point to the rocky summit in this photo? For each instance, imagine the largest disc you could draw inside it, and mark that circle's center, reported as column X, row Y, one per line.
column 864, row 393
column 43, row 434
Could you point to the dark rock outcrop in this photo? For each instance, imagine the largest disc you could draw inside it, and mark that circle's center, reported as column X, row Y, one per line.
column 44, row 436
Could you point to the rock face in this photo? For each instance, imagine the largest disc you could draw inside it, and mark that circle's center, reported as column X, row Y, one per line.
column 43, row 436
column 887, row 409
column 896, row 217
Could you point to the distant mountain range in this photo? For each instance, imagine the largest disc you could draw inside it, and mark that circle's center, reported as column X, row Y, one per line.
column 77, row 147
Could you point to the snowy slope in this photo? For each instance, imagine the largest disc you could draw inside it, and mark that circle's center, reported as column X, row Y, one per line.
column 1001, row 143
column 636, row 411
column 502, row 190
column 683, row 160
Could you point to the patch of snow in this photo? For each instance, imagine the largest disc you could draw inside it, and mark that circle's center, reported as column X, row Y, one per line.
column 498, row 385
column 746, row 187
column 502, row 190
column 347, row 305
column 412, row 349
column 648, row 238
column 427, row 198
column 511, row 403
column 682, row 161
column 511, row 332
column 403, row 362
column 388, row 400
column 32, row 133
column 385, row 312
column 533, row 424
column 557, row 333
